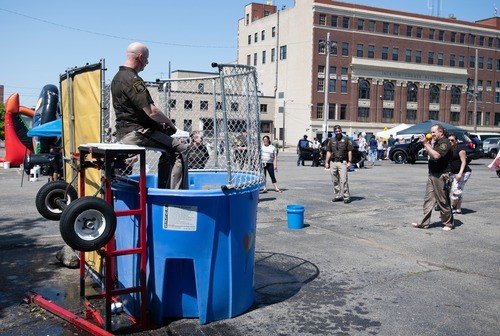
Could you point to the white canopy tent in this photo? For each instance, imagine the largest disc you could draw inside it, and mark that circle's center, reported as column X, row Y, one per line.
column 393, row 131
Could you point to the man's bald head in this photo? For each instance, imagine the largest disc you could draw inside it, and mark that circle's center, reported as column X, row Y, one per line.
column 137, row 56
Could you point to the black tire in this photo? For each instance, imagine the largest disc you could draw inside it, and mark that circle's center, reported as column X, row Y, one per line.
column 399, row 157
column 88, row 223
column 493, row 153
column 498, row 173
column 47, row 196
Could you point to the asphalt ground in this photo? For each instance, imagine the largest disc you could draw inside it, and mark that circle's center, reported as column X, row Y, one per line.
column 355, row 269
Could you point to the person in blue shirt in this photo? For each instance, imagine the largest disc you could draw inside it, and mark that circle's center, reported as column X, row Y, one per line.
column 301, row 147
column 372, row 156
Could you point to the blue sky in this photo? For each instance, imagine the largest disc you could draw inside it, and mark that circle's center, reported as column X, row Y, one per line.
column 35, row 51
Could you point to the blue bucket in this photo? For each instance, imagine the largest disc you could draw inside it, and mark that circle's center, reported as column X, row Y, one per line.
column 295, row 216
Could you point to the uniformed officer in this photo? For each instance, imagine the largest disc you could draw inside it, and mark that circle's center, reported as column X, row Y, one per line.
column 140, row 122
column 437, row 191
column 339, row 152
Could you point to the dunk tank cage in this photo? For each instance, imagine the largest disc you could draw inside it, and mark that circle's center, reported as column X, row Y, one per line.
column 199, row 257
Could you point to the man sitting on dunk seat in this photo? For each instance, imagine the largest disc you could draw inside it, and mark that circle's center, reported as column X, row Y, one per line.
column 140, row 122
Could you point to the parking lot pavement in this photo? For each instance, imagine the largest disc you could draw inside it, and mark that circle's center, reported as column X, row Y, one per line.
column 355, row 269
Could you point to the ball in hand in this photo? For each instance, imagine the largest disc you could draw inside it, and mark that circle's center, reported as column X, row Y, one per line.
column 428, row 136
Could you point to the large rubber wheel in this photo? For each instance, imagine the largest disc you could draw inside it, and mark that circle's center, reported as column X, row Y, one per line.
column 49, row 194
column 494, row 153
column 88, row 223
column 399, row 157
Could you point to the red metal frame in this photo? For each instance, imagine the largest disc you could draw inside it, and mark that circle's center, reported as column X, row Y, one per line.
column 95, row 157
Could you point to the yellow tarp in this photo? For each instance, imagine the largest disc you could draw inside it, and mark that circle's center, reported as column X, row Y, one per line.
column 82, row 124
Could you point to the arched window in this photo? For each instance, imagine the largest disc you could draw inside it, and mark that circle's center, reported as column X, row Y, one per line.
column 364, row 89
column 434, row 94
column 412, row 92
column 388, row 91
column 455, row 95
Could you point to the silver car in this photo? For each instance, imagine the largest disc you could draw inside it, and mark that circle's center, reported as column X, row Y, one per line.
column 490, row 146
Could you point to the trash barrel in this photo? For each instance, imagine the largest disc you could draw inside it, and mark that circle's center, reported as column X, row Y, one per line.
column 201, row 246
column 295, row 216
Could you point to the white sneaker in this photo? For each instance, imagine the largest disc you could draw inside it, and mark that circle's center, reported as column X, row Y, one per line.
column 447, row 228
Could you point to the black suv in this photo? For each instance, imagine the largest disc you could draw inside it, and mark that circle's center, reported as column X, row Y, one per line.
column 414, row 150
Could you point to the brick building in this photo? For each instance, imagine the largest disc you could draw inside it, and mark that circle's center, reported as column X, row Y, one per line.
column 385, row 67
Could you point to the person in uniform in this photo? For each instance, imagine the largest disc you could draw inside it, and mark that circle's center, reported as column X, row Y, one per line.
column 140, row 122
column 437, row 190
column 339, row 152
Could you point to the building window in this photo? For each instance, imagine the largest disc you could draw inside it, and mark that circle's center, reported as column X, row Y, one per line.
column 385, row 27
column 172, row 103
column 188, row 125
column 218, row 106
column 321, row 69
column 234, row 107
column 430, row 59
column 455, row 118
column 472, row 39
column 440, row 59
column 263, row 57
column 283, row 53
column 188, row 104
column 247, row 18
column 371, row 27
column 498, row 64
column 434, row 115
column 461, row 61
column 472, row 61
column 322, row 19
column 273, row 32
column 256, row 37
column 249, row 59
column 359, row 52
column 255, row 59
column 266, row 13
column 408, row 55
column 411, row 115
column 418, row 56
column 319, row 110
column 333, row 69
column 321, row 84
column 395, row 29
column 412, row 92
column 497, row 101
column 321, row 46
column 361, row 24
column 455, row 95
column 453, row 37
column 331, row 111
column 363, row 113
column 364, row 89
column 343, row 71
column 462, row 38
column 371, row 51
column 434, row 94
column 345, row 22
column 488, row 84
column 345, row 49
column 385, row 52
column 388, row 91
column 452, row 60
column 481, row 41
column 441, row 35
column 395, row 54
column 480, row 62
column 419, row 32
column 489, row 63
column 249, row 39
column 343, row 86
column 487, row 116
column 409, row 31
column 490, row 41
column 431, row 34
column 201, row 88
column 204, row 105
column 343, row 111
column 263, row 35
column 387, row 115
column 334, row 21
column 273, row 52
column 263, row 108
column 332, row 85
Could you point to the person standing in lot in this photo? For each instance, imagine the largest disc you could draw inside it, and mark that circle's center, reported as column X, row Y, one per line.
column 437, row 191
column 316, row 147
column 372, row 156
column 460, row 171
column 339, row 152
column 302, row 145
column 270, row 162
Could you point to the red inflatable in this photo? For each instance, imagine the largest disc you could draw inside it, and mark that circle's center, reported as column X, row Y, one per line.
column 17, row 141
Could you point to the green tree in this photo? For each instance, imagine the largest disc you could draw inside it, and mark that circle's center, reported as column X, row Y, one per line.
column 2, row 121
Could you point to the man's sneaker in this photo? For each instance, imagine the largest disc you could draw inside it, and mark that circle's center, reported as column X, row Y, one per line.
column 418, row 226
column 447, row 228
column 337, row 199
column 347, row 201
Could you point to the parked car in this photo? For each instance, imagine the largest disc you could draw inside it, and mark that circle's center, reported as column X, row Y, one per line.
column 490, row 147
column 414, row 150
column 483, row 135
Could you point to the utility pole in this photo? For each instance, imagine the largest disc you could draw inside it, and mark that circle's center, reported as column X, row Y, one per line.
column 284, row 137
column 475, row 92
column 329, row 45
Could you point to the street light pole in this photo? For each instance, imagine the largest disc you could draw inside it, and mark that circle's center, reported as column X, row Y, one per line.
column 284, row 137
column 326, row 87
column 475, row 92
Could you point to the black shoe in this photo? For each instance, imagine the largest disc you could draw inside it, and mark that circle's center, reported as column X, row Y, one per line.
column 347, row 201
column 337, row 199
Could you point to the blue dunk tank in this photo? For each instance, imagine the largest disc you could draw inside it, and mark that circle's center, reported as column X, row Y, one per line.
column 201, row 241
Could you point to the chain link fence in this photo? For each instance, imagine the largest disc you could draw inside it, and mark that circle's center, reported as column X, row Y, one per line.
column 218, row 115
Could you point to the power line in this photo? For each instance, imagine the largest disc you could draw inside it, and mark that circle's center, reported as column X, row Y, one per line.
column 115, row 36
